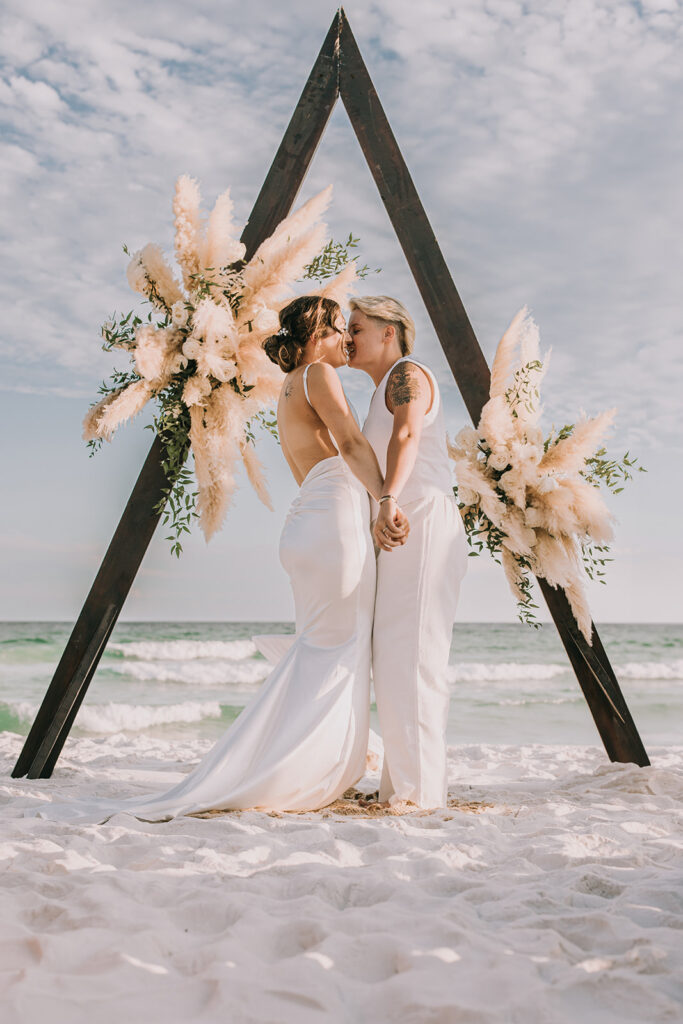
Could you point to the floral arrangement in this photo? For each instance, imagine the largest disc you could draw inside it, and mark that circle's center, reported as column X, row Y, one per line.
column 535, row 503
column 199, row 352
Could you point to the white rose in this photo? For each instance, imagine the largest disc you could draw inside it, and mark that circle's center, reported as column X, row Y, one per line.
column 467, row 496
column 498, row 459
column 547, row 484
column 467, row 438
column 266, row 320
column 179, row 314
column 196, row 390
column 532, row 517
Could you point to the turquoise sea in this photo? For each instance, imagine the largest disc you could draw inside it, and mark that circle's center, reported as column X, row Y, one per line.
column 509, row 683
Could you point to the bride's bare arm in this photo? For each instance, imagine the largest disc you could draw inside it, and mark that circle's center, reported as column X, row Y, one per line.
column 327, row 398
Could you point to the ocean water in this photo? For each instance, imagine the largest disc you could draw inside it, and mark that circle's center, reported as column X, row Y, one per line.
column 509, row 683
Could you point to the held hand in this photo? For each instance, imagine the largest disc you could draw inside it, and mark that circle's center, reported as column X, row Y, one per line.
column 391, row 527
column 401, row 522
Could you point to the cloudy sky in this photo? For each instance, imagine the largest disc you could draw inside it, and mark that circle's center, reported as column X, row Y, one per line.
column 546, row 141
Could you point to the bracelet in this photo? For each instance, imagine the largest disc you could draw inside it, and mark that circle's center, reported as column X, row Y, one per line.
column 386, row 497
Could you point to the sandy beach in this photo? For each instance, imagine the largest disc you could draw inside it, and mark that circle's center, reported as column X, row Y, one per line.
column 549, row 891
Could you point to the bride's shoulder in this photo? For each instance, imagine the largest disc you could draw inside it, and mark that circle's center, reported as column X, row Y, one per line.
column 322, row 375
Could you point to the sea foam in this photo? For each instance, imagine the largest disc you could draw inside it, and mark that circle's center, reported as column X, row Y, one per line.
column 111, row 718
column 202, row 671
column 185, row 650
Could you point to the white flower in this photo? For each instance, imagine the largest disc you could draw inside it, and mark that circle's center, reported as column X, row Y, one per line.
column 196, row 391
column 467, row 496
column 533, row 517
column 498, row 459
column 467, row 438
column 179, row 314
column 266, row 320
column 547, row 484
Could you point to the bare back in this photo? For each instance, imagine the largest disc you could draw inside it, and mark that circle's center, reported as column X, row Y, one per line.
column 304, row 438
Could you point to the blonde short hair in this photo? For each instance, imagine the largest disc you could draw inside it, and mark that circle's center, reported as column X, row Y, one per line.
column 389, row 311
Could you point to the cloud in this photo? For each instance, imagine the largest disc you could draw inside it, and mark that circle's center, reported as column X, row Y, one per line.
column 545, row 140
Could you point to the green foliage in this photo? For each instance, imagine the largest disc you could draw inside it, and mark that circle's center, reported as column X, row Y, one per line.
column 178, row 502
column 521, row 390
column 333, row 259
column 229, row 285
column 267, row 421
column 613, row 473
column 595, row 559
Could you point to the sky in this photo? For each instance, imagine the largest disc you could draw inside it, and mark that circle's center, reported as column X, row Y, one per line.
column 546, row 142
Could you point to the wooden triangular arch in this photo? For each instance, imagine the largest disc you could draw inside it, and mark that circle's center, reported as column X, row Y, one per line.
column 339, row 71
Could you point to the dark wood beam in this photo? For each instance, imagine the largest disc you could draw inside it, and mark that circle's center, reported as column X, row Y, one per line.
column 124, row 555
column 468, row 365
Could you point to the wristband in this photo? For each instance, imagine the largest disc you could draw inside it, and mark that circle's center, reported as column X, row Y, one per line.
column 386, row 497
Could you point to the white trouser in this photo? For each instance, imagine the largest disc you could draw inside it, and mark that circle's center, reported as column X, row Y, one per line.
column 417, row 593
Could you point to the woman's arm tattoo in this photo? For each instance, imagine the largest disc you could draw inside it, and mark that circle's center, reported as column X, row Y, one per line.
column 403, row 385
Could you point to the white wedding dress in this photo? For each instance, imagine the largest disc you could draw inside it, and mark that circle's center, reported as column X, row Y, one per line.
column 303, row 739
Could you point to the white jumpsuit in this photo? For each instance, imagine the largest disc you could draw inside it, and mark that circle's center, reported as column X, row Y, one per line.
column 417, row 593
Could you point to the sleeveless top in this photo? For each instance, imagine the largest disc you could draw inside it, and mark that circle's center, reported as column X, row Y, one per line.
column 432, row 473
column 353, row 411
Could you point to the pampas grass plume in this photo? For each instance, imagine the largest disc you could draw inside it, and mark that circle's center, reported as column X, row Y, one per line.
column 255, row 473
column 127, row 404
column 222, row 248
column 158, row 271
column 569, row 454
column 340, row 286
column 189, row 243
column 506, row 353
column 91, row 419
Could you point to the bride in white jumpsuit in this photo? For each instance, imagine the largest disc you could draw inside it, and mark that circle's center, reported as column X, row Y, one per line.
column 418, row 583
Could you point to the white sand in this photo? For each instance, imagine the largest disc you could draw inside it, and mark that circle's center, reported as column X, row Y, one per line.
column 562, row 901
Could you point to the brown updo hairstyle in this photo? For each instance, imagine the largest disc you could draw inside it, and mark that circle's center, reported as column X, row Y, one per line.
column 303, row 319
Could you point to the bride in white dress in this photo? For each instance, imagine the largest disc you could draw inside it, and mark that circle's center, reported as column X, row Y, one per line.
column 303, row 739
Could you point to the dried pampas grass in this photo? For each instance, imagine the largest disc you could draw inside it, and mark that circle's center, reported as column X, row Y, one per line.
column 127, row 404
column 222, row 245
column 507, row 352
column 339, row 288
column 92, row 417
column 282, row 257
column 160, row 287
column 189, row 243
column 255, row 474
column 212, row 341
column 158, row 354
column 538, row 500
column 570, row 454
column 269, row 275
